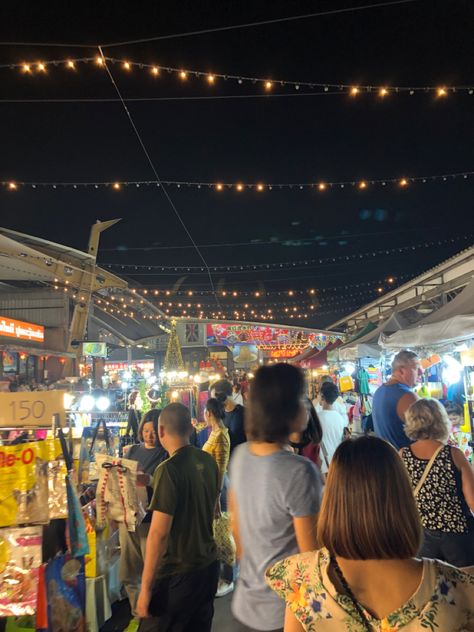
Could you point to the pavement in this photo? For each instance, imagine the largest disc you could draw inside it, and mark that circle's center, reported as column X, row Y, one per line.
column 223, row 620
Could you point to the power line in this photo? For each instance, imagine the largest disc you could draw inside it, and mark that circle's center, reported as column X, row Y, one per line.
column 152, row 165
column 260, row 23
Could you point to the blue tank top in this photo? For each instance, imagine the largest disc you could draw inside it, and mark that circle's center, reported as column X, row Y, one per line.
column 387, row 424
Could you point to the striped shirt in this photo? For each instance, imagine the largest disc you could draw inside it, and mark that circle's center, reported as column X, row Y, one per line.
column 218, row 446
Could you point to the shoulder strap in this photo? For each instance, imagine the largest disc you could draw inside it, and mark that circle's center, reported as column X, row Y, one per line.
column 427, row 471
column 325, row 454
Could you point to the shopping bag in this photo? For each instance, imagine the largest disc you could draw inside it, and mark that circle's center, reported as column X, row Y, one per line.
column 223, row 538
column 66, row 591
column 77, row 529
column 346, row 383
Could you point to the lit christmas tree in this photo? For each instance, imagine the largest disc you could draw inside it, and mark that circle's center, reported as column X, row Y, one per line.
column 173, row 357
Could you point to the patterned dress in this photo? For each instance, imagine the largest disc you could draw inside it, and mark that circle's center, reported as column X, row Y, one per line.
column 444, row 599
column 440, row 500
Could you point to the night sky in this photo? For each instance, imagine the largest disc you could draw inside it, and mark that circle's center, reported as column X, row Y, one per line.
column 291, row 138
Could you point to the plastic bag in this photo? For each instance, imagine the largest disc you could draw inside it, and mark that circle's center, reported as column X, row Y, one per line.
column 20, row 559
column 117, row 495
column 66, row 590
column 223, row 538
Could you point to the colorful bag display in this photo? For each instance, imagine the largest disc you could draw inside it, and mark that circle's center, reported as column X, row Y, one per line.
column 32, row 485
column 117, row 495
column 346, row 383
column 66, row 591
column 223, row 538
column 78, row 542
column 20, row 560
column 95, row 440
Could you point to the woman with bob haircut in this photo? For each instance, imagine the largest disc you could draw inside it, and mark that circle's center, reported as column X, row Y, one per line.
column 443, row 482
column 274, row 493
column 364, row 576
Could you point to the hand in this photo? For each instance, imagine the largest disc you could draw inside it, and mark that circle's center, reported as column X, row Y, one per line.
column 217, row 508
column 143, row 603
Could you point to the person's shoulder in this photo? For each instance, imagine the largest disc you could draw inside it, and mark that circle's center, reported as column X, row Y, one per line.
column 282, row 575
column 453, row 581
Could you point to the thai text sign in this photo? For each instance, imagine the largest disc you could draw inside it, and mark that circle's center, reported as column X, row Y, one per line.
column 20, row 330
column 30, row 409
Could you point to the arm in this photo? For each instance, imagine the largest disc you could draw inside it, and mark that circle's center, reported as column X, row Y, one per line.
column 291, row 622
column 221, row 455
column 156, row 545
column 467, row 476
column 234, row 523
column 404, row 404
column 305, row 530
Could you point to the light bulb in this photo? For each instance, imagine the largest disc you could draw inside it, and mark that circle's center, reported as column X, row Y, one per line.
column 219, row 186
column 41, row 67
column 442, row 92
column 116, row 185
column 354, row 91
column 126, row 65
column 99, row 61
column 403, row 182
column 240, row 187
column 12, row 186
column 268, row 85
column 321, row 186
column 260, row 187
column 211, row 78
column 155, row 71
column 26, row 68
column 383, row 92
column 70, row 64
column 183, row 74
column 363, row 185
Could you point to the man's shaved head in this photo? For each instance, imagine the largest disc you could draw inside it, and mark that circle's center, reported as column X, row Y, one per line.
column 176, row 420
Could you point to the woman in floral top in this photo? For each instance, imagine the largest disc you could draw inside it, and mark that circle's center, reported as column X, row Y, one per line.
column 365, row 577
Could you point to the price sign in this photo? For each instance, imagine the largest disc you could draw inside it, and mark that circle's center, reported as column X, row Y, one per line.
column 30, row 409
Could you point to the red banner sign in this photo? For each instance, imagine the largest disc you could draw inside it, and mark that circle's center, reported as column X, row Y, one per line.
column 20, row 330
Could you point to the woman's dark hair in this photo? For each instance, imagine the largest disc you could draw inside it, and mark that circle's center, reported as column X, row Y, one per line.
column 314, row 430
column 222, row 390
column 367, row 488
column 150, row 417
column 274, row 402
column 454, row 409
column 216, row 408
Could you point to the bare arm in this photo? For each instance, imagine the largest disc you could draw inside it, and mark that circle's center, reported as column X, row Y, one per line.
column 305, row 530
column 291, row 622
column 467, row 476
column 234, row 523
column 156, row 545
column 404, row 404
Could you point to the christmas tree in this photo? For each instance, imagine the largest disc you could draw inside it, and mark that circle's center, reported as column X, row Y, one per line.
column 173, row 357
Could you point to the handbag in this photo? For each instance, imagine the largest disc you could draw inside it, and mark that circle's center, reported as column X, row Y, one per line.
column 428, row 467
column 223, row 538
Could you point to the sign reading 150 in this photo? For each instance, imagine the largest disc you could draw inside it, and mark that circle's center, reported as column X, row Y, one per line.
column 24, row 409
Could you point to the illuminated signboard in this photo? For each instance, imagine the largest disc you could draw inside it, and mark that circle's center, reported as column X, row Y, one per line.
column 262, row 336
column 20, row 330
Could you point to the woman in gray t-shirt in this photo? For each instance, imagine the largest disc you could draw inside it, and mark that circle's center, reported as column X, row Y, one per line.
column 275, row 494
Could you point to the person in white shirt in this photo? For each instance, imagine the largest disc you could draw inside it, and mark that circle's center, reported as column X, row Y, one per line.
column 237, row 393
column 332, row 423
column 339, row 405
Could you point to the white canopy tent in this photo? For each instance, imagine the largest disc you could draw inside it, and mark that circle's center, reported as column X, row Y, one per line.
column 453, row 322
column 367, row 346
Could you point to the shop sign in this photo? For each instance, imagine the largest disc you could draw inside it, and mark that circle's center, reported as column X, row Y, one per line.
column 262, row 336
column 25, row 409
column 20, row 330
column 123, row 366
column 283, row 353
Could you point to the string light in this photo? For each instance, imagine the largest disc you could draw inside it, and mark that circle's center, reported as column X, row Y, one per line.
column 116, row 185
column 70, row 64
column 41, row 67
column 403, row 182
column 324, row 88
column 155, row 71
column 12, row 186
column 26, row 68
column 258, row 186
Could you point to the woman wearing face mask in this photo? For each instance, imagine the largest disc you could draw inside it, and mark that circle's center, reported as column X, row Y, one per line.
column 274, row 493
column 149, row 454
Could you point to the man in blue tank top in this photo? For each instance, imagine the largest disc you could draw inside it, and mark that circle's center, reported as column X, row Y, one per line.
column 393, row 399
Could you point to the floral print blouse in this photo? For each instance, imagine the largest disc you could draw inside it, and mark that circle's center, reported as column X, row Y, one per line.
column 444, row 599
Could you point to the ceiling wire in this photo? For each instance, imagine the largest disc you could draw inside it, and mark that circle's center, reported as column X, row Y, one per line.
column 158, row 179
column 217, row 29
column 261, row 23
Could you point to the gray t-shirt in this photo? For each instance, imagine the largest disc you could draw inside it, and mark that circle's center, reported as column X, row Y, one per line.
column 269, row 491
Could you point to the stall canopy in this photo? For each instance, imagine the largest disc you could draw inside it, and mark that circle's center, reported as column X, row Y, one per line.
column 317, row 358
column 453, row 322
column 367, row 346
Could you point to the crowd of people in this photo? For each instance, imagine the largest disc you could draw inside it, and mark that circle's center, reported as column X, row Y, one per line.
column 330, row 532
